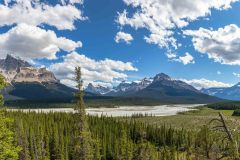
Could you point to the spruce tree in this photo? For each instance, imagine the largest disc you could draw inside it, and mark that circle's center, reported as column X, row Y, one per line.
column 8, row 150
column 83, row 141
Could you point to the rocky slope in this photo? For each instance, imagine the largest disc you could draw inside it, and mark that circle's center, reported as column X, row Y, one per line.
column 29, row 83
column 98, row 89
column 17, row 70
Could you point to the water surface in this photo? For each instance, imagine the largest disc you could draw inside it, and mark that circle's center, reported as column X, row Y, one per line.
column 160, row 110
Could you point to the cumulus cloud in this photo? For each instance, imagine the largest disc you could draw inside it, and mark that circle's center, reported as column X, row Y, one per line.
column 36, row 12
column 161, row 17
column 33, row 42
column 222, row 45
column 171, row 55
column 186, row 59
column 125, row 37
column 205, row 83
column 104, row 71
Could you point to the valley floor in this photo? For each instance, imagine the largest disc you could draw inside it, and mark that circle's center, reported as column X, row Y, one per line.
column 191, row 119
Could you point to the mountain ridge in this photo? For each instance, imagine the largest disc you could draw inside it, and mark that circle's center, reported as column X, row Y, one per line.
column 230, row 93
column 163, row 88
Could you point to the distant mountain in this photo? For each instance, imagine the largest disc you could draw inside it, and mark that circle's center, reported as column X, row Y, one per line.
column 230, row 93
column 167, row 89
column 99, row 90
column 128, row 88
column 162, row 88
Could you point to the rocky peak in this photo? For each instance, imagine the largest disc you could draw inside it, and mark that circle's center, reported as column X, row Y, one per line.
column 30, row 74
column 10, row 63
column 17, row 70
column 98, row 89
column 123, row 86
column 161, row 76
column 146, row 81
column 237, row 85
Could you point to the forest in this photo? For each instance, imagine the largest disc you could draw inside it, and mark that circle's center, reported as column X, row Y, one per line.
column 78, row 136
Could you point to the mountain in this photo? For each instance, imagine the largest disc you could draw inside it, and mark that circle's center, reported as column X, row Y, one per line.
column 11, row 63
column 167, row 89
column 99, row 90
column 16, row 70
column 162, row 88
column 29, row 83
column 230, row 93
column 128, row 88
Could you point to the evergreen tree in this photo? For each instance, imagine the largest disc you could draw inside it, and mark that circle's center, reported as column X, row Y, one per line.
column 83, row 142
column 8, row 150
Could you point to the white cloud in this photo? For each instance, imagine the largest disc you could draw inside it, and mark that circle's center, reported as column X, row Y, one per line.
column 121, row 36
column 161, row 17
column 36, row 12
column 236, row 74
column 105, row 71
column 219, row 72
column 205, row 83
column 64, row 2
column 222, row 45
column 33, row 42
column 171, row 55
column 186, row 59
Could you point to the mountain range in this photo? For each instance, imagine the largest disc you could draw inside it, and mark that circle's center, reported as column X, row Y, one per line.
column 27, row 82
column 230, row 93
column 161, row 87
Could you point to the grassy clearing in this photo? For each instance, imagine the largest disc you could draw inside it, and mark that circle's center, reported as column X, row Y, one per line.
column 192, row 119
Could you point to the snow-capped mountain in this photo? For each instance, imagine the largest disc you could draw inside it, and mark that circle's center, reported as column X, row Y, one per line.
column 231, row 93
column 123, row 88
column 162, row 87
column 133, row 86
column 98, row 89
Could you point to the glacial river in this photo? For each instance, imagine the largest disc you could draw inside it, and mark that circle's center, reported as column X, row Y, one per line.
column 161, row 110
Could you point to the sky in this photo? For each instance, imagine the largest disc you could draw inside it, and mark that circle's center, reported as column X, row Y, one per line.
column 114, row 40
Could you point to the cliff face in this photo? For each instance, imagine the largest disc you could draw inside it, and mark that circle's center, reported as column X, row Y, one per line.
column 29, row 74
column 17, row 70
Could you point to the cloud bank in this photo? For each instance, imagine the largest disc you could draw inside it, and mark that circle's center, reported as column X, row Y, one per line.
column 32, row 42
column 205, row 83
column 104, row 71
column 161, row 17
column 35, row 12
column 221, row 45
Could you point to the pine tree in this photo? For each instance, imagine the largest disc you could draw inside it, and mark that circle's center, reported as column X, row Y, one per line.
column 83, row 141
column 3, row 84
column 8, row 150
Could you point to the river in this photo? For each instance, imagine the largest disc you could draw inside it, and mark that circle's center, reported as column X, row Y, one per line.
column 160, row 110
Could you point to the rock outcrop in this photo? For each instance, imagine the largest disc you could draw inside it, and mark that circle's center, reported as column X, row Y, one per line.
column 17, row 70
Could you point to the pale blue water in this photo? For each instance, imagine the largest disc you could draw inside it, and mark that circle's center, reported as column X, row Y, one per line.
column 161, row 110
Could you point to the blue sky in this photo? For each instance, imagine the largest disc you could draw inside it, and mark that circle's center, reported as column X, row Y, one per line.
column 97, row 25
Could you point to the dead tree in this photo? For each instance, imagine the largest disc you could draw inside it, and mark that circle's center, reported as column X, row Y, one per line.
column 224, row 128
